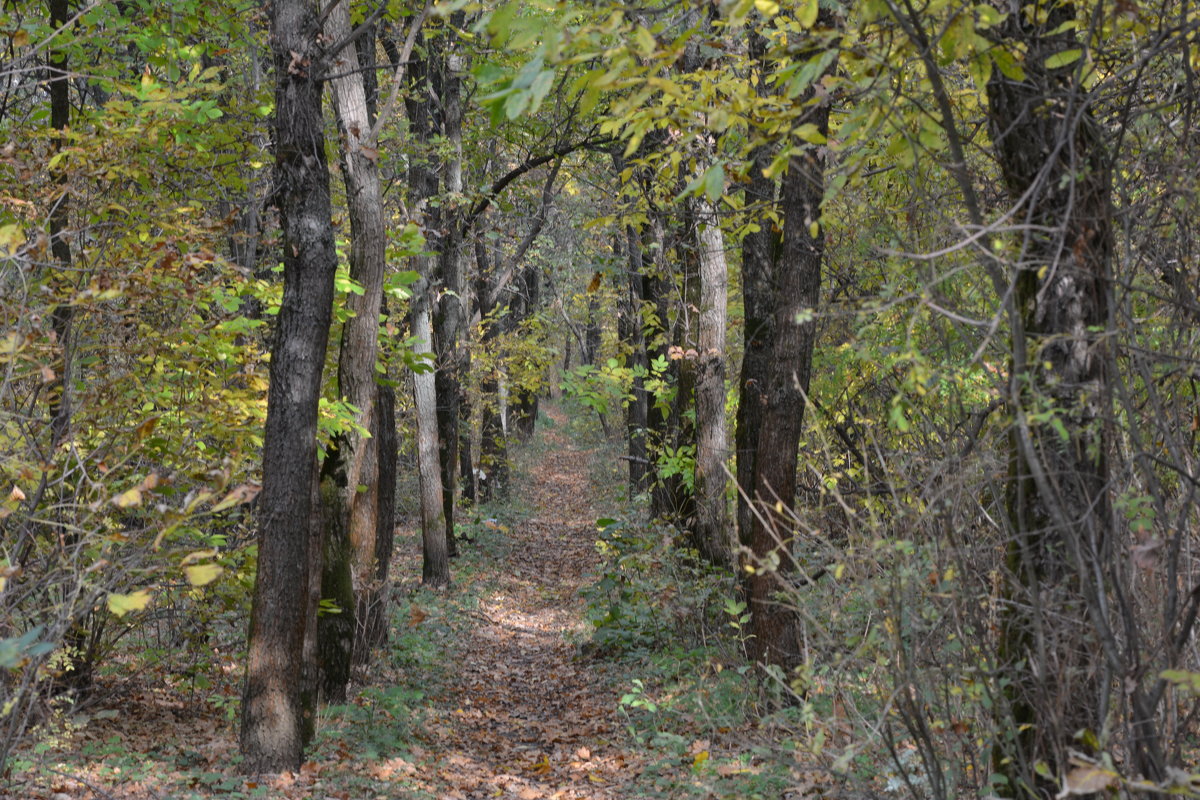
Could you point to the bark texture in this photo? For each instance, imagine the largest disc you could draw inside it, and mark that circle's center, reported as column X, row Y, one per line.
column 436, row 554
column 760, row 249
column 1055, row 166
column 352, row 462
column 271, row 708
column 634, row 337
column 450, row 315
column 796, row 287
column 711, row 529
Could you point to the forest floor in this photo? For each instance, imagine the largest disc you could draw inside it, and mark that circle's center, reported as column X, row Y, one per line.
column 488, row 689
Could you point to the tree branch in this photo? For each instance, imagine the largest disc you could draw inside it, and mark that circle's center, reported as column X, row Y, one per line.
column 592, row 142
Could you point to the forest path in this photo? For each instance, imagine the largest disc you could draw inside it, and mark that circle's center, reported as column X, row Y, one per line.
column 523, row 716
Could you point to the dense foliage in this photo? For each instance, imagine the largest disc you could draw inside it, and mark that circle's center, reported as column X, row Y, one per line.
column 892, row 306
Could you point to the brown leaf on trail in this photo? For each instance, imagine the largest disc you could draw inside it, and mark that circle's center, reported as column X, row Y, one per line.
column 416, row 615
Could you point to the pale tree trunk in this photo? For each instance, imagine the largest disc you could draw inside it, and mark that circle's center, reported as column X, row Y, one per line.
column 712, row 530
column 436, row 568
column 349, row 565
column 271, row 728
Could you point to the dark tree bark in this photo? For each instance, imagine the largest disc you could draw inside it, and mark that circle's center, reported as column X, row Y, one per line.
column 759, row 252
column 523, row 402
column 60, row 246
column 271, row 729
column 1055, row 166
column 450, row 315
column 372, row 608
column 493, row 446
column 796, row 286
column 466, row 463
column 591, row 332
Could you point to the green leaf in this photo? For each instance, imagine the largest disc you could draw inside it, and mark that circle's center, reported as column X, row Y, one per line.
column 714, row 182
column 1064, row 58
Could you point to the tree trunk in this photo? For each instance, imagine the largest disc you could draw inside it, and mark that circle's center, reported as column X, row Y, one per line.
column 466, row 463
column 797, row 282
column 711, row 529
column 1052, row 156
column 638, row 407
column 350, row 462
column 450, row 315
column 271, row 708
column 372, row 605
column 759, row 251
column 60, row 247
column 493, row 449
column 436, row 569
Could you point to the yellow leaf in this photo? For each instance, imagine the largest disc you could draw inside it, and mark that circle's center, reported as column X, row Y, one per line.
column 122, row 604
column 20, row 39
column 202, row 574
column 699, row 760
column 767, row 8
column 128, row 499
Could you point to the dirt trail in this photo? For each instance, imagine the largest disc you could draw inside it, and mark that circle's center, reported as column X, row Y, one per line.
column 524, row 716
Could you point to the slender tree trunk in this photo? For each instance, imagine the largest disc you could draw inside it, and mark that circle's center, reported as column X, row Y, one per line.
column 466, row 462
column 424, row 183
column 436, row 569
column 450, row 316
column 349, row 548
column 493, row 448
column 638, row 408
column 711, row 530
column 591, row 336
column 797, row 283
column 372, row 605
column 77, row 675
column 271, row 730
column 60, row 245
column 1054, row 162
